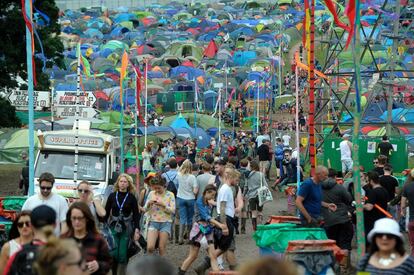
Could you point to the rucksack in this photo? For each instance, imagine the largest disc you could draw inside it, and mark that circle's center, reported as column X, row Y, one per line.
column 279, row 152
column 24, row 259
column 171, row 185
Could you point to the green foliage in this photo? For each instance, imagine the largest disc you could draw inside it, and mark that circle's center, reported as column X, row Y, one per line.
column 13, row 35
column 8, row 118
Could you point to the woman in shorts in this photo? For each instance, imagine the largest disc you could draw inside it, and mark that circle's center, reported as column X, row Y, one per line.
column 255, row 180
column 202, row 229
column 160, row 207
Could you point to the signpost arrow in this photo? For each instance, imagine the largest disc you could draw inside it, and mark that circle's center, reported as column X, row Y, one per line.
column 70, row 111
column 19, row 99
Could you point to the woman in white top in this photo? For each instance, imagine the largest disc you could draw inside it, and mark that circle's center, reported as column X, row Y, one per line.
column 146, row 159
column 21, row 233
column 186, row 195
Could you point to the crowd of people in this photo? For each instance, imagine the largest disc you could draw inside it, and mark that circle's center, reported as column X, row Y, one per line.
column 204, row 200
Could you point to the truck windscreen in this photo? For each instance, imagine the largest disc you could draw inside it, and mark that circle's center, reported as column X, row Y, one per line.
column 91, row 167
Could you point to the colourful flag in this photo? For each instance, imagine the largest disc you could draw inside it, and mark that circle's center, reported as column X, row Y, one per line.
column 332, row 8
column 86, row 66
column 351, row 13
column 124, row 65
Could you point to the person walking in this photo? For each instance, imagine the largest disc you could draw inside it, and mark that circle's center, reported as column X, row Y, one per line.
column 264, row 156
column 160, row 208
column 385, row 148
column 146, row 159
column 186, row 194
column 255, row 180
column 82, row 229
column 407, row 200
column 49, row 198
column 204, row 178
column 123, row 218
column 376, row 197
column 20, row 233
column 203, row 229
column 309, row 198
column 387, row 252
column 346, row 154
column 85, row 194
column 338, row 224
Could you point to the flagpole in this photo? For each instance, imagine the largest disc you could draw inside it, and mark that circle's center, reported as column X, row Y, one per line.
column 219, row 128
column 30, row 88
column 280, row 67
column 146, row 103
column 195, row 106
column 77, row 111
column 258, row 111
column 312, row 148
column 298, row 167
column 355, row 137
column 137, row 168
column 121, row 133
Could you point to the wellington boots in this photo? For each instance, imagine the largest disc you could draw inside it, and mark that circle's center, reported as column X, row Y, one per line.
column 344, row 265
column 176, row 232
column 181, row 272
column 181, row 234
column 243, row 225
column 254, row 223
column 189, row 227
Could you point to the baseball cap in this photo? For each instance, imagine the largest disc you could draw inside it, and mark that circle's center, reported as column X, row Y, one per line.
column 43, row 215
column 346, row 135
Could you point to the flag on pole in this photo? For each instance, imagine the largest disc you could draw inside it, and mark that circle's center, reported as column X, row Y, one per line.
column 124, row 65
column 351, row 13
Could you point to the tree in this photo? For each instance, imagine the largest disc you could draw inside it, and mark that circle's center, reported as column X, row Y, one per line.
column 8, row 118
column 13, row 42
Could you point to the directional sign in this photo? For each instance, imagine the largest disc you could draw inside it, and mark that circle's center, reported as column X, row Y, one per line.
column 68, row 98
column 70, row 111
column 20, row 100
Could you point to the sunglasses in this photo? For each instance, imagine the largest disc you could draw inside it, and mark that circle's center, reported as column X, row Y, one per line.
column 375, row 162
column 46, row 187
column 22, row 224
column 83, row 191
column 388, row 236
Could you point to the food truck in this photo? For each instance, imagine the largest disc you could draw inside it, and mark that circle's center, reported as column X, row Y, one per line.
column 97, row 160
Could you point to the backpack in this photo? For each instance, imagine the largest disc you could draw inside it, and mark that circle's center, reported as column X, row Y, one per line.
column 279, row 152
column 171, row 185
column 24, row 259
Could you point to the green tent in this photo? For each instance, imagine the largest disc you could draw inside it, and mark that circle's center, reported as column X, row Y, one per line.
column 12, row 143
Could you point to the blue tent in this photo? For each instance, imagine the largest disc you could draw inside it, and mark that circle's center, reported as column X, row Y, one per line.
column 241, row 58
column 400, row 115
column 189, row 72
column 179, row 122
column 210, row 99
column 203, row 140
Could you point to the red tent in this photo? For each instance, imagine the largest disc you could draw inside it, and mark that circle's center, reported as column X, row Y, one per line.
column 211, row 49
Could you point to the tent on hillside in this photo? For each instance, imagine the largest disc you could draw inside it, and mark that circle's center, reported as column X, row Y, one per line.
column 180, row 122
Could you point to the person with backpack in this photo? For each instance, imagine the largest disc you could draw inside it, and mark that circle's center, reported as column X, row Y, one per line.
column 20, row 233
column 171, row 179
column 186, row 195
column 43, row 221
column 279, row 155
column 60, row 257
column 255, row 180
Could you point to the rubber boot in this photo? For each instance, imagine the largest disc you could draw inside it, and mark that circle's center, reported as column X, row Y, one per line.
column 181, row 234
column 243, row 225
column 204, row 265
column 254, row 223
column 176, row 232
column 189, row 227
column 181, row 272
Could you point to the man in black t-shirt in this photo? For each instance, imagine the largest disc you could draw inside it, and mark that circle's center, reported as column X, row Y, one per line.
column 385, row 147
column 377, row 196
column 379, row 167
column 264, row 156
column 390, row 183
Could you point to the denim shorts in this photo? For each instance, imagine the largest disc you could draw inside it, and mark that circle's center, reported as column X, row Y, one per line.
column 160, row 226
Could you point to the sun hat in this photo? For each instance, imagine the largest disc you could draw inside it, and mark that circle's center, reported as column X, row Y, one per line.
column 149, row 176
column 385, row 226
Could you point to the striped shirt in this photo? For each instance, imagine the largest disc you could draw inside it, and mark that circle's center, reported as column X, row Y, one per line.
column 405, row 268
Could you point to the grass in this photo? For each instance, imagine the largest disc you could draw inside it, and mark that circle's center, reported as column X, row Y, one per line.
column 10, row 177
